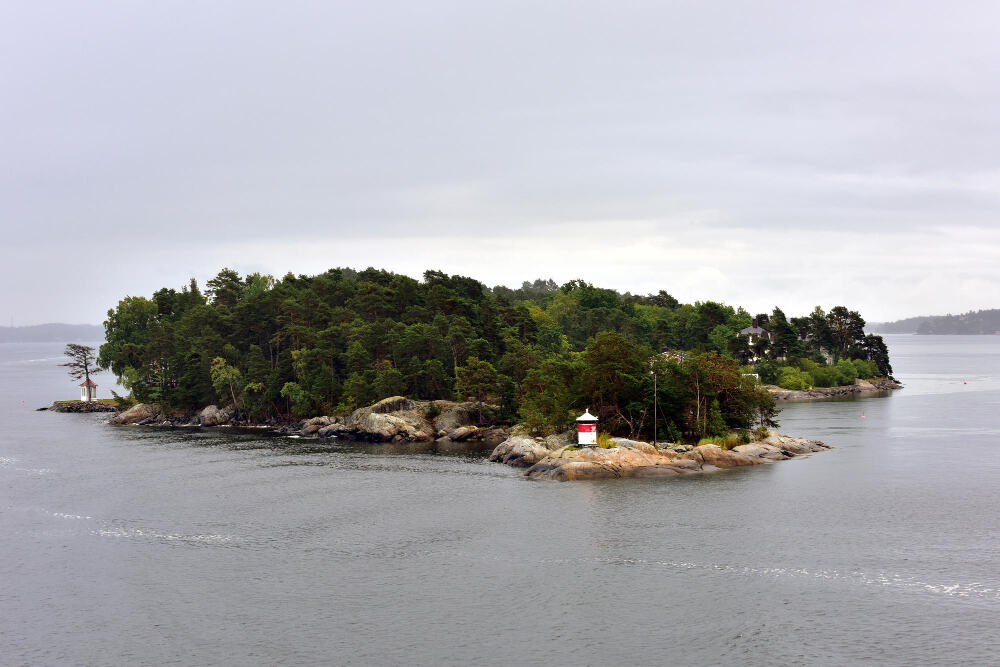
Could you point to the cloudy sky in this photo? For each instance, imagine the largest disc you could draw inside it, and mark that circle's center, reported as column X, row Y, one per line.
column 758, row 153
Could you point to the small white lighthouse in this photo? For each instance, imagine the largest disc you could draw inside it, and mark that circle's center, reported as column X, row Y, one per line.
column 586, row 429
column 88, row 390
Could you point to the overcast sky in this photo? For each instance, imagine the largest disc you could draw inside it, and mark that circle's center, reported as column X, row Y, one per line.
column 758, row 153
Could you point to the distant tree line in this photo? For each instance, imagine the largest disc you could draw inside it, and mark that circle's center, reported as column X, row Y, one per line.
column 326, row 344
column 979, row 322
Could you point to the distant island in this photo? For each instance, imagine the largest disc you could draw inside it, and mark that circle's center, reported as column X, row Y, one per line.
column 979, row 322
column 52, row 333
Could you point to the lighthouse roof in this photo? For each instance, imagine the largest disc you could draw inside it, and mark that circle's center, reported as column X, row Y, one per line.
column 586, row 417
column 88, row 383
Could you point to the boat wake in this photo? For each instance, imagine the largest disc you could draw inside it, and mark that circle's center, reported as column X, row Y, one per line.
column 960, row 590
column 121, row 530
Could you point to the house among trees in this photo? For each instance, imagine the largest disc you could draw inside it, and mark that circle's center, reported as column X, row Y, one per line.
column 88, row 390
column 756, row 332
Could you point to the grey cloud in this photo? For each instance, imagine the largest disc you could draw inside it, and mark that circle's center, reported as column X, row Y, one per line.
column 252, row 120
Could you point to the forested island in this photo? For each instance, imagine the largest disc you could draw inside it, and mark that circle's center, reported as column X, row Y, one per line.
column 979, row 322
column 304, row 346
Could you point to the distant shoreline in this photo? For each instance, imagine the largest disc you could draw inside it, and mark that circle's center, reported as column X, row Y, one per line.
column 860, row 388
column 972, row 323
column 52, row 333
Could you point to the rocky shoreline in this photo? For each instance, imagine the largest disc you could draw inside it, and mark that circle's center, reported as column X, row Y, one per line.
column 80, row 406
column 551, row 458
column 859, row 388
column 556, row 457
column 394, row 419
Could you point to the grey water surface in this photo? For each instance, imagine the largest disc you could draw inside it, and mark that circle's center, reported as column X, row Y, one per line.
column 132, row 545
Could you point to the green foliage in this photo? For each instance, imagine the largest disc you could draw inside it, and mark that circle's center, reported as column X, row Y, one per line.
column 226, row 380
column 727, row 440
column 300, row 401
column 477, row 380
column 847, row 371
column 604, row 440
column 81, row 362
column 551, row 393
column 790, row 377
column 615, row 370
column 123, row 402
column 389, row 382
column 719, row 338
column 300, row 345
column 865, row 369
column 808, row 373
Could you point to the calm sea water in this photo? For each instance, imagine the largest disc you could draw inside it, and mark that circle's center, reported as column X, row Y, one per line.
column 141, row 546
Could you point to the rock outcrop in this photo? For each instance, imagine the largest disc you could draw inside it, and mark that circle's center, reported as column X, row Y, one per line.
column 212, row 415
column 714, row 455
column 630, row 458
column 452, row 416
column 401, row 419
column 316, row 424
column 390, row 419
column 140, row 413
column 520, row 451
column 791, row 446
column 396, row 419
column 392, row 404
column 572, row 463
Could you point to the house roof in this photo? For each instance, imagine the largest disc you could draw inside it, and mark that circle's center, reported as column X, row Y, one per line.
column 88, row 383
column 754, row 331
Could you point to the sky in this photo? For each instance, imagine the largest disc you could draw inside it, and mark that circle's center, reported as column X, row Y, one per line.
column 758, row 153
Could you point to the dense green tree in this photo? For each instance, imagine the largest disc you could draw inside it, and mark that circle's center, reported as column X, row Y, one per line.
column 225, row 288
column 552, row 392
column 614, row 369
column 389, row 382
column 300, row 345
column 847, row 329
column 226, row 380
column 476, row 379
column 877, row 352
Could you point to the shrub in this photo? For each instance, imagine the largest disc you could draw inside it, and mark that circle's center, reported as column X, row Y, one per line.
column 604, row 440
column 792, row 378
column 866, row 369
column 432, row 411
column 123, row 402
column 727, row 441
column 825, row 376
column 847, row 371
column 768, row 372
